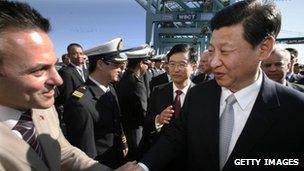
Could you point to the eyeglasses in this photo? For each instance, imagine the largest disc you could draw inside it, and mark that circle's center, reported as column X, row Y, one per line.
column 180, row 66
column 113, row 64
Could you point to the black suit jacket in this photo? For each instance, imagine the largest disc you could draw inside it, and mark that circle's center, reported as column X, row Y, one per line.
column 71, row 80
column 274, row 130
column 301, row 81
column 158, row 80
column 199, row 78
column 295, row 86
column 93, row 124
column 161, row 98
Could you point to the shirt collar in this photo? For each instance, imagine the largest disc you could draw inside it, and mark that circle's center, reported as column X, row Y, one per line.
column 185, row 89
column 9, row 116
column 103, row 88
column 245, row 95
column 77, row 67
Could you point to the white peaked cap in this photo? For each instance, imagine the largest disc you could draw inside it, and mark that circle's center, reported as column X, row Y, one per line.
column 108, row 51
column 146, row 52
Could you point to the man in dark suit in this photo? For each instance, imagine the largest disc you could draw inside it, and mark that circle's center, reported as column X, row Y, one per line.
column 164, row 97
column 92, row 113
column 73, row 75
column 133, row 95
column 277, row 66
column 291, row 75
column 31, row 138
column 241, row 114
column 204, row 72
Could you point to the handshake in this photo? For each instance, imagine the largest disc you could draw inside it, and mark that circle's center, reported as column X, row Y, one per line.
column 130, row 166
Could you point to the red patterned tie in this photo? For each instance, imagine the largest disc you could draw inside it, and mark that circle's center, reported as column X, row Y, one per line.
column 27, row 129
column 177, row 103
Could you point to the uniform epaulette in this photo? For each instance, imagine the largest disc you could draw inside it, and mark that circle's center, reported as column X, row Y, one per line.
column 79, row 92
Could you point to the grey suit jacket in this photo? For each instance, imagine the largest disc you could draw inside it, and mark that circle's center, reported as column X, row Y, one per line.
column 17, row 155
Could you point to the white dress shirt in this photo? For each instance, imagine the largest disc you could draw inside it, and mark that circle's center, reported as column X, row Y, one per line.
column 242, row 108
column 10, row 117
column 184, row 90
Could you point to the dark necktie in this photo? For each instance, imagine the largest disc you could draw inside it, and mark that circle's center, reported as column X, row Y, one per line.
column 27, row 129
column 177, row 103
column 207, row 77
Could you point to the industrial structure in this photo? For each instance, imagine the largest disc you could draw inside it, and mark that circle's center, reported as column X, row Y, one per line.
column 169, row 22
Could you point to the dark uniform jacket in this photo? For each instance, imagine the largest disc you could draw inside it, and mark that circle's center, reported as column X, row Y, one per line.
column 71, row 80
column 92, row 119
column 158, row 80
column 274, row 130
column 132, row 94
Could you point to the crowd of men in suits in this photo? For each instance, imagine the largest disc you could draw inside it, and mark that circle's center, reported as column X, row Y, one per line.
column 168, row 112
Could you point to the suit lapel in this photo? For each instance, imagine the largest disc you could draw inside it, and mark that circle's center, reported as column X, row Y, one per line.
column 210, row 121
column 19, row 149
column 260, row 120
column 96, row 91
column 167, row 92
column 47, row 136
column 76, row 73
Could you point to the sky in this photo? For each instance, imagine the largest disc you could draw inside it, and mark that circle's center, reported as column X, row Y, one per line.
column 94, row 22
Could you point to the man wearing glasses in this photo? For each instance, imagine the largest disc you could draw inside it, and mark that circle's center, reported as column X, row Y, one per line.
column 92, row 114
column 167, row 99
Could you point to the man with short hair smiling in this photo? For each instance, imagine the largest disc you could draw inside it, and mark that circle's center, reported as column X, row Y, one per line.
column 31, row 138
column 73, row 75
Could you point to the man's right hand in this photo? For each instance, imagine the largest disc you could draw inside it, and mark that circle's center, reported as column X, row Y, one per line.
column 165, row 116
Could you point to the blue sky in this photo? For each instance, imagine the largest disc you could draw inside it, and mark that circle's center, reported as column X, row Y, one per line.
column 94, row 22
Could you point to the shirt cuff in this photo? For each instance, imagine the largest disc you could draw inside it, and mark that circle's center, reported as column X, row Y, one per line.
column 158, row 126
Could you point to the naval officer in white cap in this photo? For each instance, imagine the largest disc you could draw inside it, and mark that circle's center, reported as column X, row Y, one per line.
column 92, row 114
column 133, row 94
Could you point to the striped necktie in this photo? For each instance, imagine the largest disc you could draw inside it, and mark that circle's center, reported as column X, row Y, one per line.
column 27, row 129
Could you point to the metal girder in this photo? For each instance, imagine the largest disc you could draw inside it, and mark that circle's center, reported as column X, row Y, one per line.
column 178, row 31
column 144, row 4
column 293, row 40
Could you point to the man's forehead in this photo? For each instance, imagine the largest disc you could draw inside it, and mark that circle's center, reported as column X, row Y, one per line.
column 227, row 35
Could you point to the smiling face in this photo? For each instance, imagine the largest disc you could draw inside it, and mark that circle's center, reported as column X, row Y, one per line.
column 235, row 63
column 76, row 55
column 28, row 73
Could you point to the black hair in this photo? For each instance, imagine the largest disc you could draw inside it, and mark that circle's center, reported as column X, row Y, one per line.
column 73, row 44
column 293, row 52
column 258, row 20
column 184, row 48
column 20, row 16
